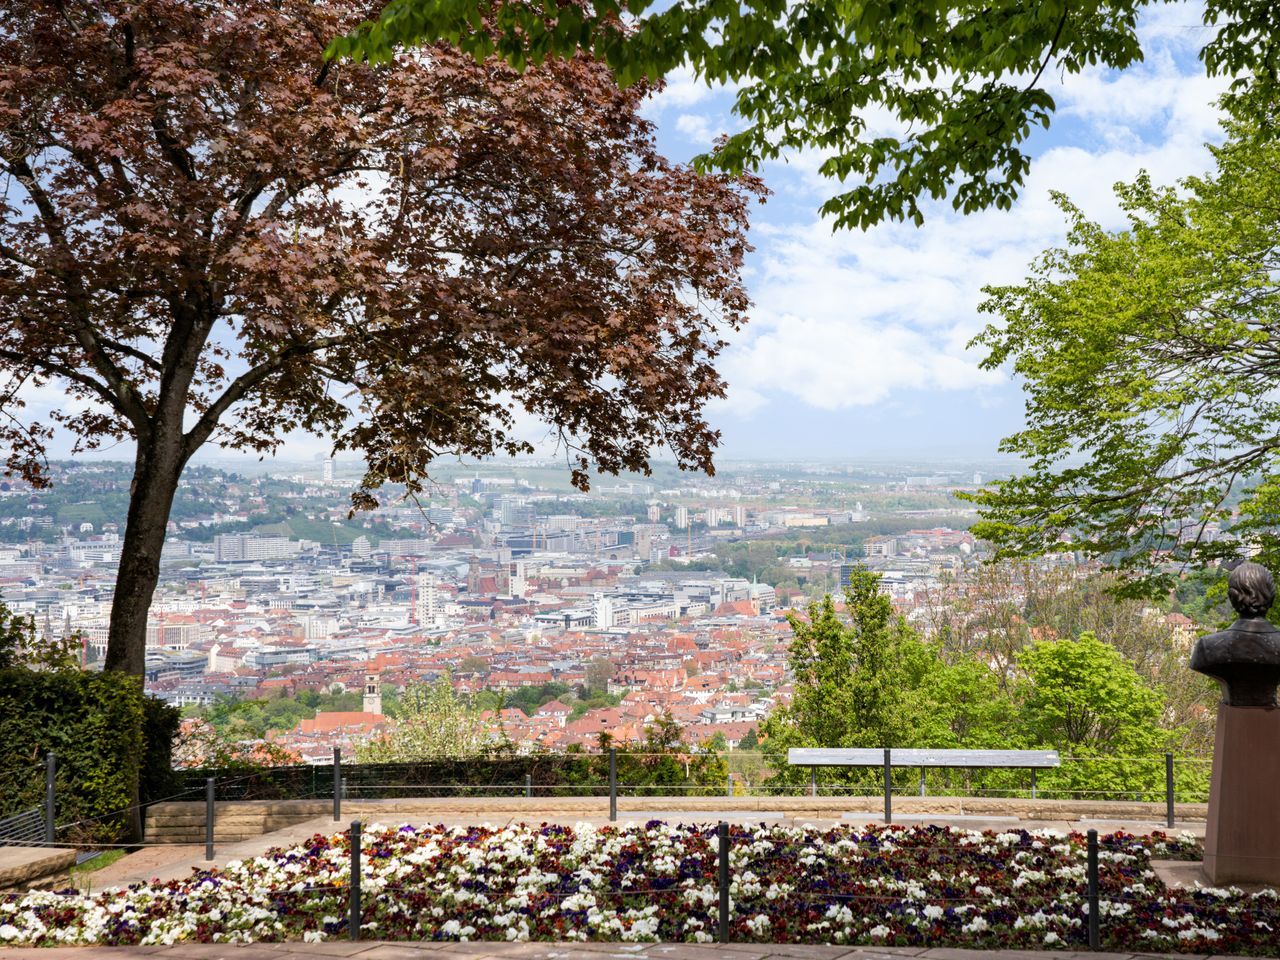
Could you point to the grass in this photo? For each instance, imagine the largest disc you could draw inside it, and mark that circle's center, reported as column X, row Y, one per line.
column 81, row 874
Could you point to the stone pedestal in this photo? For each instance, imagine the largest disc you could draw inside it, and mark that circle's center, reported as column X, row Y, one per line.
column 1242, row 836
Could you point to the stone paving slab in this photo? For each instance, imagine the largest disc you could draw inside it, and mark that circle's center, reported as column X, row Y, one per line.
column 380, row 950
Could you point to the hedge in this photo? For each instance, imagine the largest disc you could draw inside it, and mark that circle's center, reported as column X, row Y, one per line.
column 112, row 743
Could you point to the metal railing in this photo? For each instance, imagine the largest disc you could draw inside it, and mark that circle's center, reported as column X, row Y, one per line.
column 606, row 775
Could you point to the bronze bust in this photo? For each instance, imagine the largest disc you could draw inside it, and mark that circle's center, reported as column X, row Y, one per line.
column 1245, row 657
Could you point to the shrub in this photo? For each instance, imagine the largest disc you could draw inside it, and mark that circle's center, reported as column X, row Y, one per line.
column 112, row 743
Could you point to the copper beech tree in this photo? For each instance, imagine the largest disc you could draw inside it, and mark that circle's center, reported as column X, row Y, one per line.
column 212, row 235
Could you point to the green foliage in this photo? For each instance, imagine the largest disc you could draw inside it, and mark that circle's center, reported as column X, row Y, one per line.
column 1148, row 360
column 867, row 680
column 1083, row 699
column 810, row 75
column 20, row 646
column 432, row 722
column 240, row 720
column 527, row 698
column 596, row 702
column 103, row 731
column 853, row 677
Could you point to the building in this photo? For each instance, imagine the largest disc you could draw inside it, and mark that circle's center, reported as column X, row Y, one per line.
column 428, row 606
column 372, row 694
column 240, row 547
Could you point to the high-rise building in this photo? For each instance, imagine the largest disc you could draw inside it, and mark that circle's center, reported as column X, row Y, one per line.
column 604, row 611
column 682, row 517
column 328, row 470
column 429, row 611
column 517, row 585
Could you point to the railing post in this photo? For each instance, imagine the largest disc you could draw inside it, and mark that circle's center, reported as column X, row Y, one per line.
column 1168, row 789
column 528, row 784
column 208, row 818
column 50, row 798
column 1033, row 783
column 728, row 786
column 888, row 789
column 354, row 909
column 1095, row 937
column 613, row 783
column 813, row 781
column 922, row 769
column 722, row 832
column 337, row 784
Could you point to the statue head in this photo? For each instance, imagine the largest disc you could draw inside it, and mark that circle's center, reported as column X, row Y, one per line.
column 1251, row 589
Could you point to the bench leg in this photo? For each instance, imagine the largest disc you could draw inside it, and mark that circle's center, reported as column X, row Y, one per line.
column 1033, row 783
column 922, row 781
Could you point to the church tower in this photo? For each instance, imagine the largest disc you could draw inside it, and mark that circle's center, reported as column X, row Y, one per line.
column 372, row 694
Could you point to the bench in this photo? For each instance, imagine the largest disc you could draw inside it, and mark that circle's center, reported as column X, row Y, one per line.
column 814, row 757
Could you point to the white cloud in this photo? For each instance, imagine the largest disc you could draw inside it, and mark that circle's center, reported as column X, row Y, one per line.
column 680, row 89
column 854, row 319
column 695, row 127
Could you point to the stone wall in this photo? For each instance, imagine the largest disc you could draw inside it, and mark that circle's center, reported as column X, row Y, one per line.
column 25, row 868
column 184, row 822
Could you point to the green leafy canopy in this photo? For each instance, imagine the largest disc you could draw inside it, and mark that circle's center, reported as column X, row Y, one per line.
column 1149, row 359
column 959, row 83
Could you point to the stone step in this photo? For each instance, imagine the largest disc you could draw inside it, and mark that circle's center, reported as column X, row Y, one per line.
column 25, row 868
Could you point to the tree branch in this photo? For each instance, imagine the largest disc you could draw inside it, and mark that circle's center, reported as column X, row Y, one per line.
column 126, row 397
column 56, row 369
column 239, row 388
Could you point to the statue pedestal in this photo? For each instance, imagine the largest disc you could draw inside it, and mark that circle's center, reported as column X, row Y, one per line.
column 1242, row 836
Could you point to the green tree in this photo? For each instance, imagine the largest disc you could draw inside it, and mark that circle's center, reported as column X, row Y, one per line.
column 962, row 82
column 599, row 672
column 20, row 646
column 433, row 722
column 1149, row 360
column 850, row 677
column 1083, row 698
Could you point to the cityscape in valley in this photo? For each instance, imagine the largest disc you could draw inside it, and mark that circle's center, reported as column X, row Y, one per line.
column 776, row 474
column 563, row 615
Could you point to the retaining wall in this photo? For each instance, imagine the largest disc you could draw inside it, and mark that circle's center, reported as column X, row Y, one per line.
column 24, row 868
column 184, row 822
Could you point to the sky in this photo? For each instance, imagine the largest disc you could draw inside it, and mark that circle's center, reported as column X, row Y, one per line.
column 857, row 343
column 856, row 346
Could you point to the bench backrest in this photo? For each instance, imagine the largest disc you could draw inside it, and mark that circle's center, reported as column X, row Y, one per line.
column 874, row 757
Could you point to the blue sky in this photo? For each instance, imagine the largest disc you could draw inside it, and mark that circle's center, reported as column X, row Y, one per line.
column 857, row 342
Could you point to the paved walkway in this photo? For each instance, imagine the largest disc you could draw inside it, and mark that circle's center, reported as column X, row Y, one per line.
column 374, row 950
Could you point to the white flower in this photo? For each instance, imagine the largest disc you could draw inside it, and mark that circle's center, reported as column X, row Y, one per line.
column 878, row 931
column 976, row 925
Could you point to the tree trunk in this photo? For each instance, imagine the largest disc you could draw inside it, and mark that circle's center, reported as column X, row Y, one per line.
column 155, row 481
column 157, row 467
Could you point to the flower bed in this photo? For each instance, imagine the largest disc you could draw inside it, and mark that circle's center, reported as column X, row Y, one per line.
column 883, row 885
